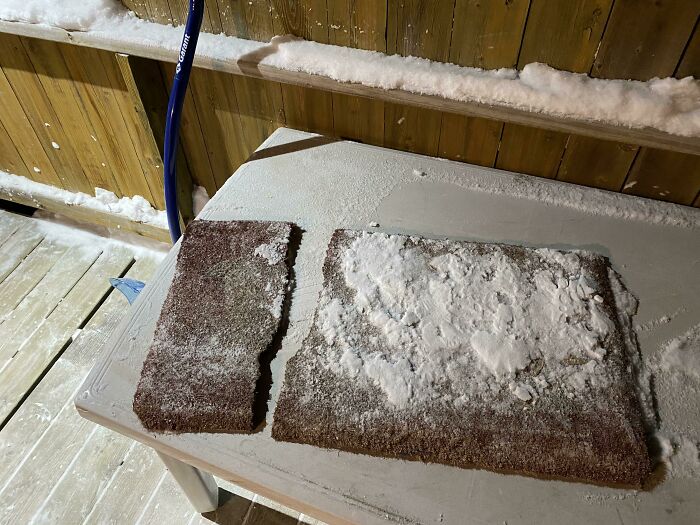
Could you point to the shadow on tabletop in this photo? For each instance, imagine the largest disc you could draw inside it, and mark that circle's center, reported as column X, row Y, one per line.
column 237, row 510
column 291, row 147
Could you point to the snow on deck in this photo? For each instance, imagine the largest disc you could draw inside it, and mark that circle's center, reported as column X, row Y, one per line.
column 135, row 208
column 78, row 471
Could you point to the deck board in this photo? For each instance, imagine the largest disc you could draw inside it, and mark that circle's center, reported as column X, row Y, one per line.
column 40, row 302
column 15, row 249
column 39, row 350
column 56, row 467
column 48, row 422
column 27, row 275
column 9, row 223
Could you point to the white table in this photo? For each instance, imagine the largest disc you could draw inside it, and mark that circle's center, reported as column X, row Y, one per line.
column 322, row 185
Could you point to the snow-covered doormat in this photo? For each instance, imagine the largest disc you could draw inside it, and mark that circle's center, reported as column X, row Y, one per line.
column 469, row 354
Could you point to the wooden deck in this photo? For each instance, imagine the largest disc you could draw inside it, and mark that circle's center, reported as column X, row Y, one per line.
column 56, row 310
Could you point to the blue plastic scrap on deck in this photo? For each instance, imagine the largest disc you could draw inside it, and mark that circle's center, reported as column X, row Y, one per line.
column 131, row 288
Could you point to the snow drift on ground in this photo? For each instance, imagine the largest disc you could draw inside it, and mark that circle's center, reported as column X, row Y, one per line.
column 134, row 208
column 671, row 105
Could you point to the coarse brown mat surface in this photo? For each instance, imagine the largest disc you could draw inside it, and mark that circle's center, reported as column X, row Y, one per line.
column 598, row 438
column 222, row 311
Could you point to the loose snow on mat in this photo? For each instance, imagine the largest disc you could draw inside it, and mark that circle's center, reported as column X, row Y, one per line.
column 134, row 208
column 671, row 105
column 274, row 252
column 478, row 319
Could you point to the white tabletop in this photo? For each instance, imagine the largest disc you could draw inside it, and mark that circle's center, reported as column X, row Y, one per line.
column 322, row 185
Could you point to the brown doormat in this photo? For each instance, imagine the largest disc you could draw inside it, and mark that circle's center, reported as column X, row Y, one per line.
column 222, row 311
column 468, row 354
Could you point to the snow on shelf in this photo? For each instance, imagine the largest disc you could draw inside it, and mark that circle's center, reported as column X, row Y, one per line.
column 667, row 105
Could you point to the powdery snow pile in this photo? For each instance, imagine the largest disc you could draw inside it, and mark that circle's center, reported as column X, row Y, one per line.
column 682, row 354
column 671, row 105
column 680, row 454
column 477, row 319
column 274, row 252
column 134, row 208
column 678, row 367
column 67, row 14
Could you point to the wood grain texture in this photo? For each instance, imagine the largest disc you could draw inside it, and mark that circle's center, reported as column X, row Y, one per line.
column 191, row 129
column 530, row 150
column 38, row 304
column 605, row 131
column 31, row 270
column 469, row 139
column 36, row 159
column 97, row 94
column 10, row 159
column 145, row 109
column 140, row 7
column 424, row 29
column 260, row 103
column 304, row 108
column 15, row 250
column 69, row 464
column 645, row 39
column 664, row 175
column 690, row 61
column 157, row 10
column 36, row 352
column 38, row 108
column 78, row 118
column 592, row 162
column 358, row 24
column 225, row 118
column 486, row 35
column 137, row 123
column 564, row 35
column 214, row 98
column 9, row 224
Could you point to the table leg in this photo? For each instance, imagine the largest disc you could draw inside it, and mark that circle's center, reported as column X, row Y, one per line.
column 199, row 486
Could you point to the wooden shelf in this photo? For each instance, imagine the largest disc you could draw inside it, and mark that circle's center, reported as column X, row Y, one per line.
column 643, row 137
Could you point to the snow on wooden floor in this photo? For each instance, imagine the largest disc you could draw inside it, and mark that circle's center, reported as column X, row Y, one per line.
column 56, row 310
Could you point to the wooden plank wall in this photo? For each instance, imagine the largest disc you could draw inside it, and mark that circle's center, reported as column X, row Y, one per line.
column 226, row 117
column 67, row 118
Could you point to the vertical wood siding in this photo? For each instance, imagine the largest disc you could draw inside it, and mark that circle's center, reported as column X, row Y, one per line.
column 81, row 92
